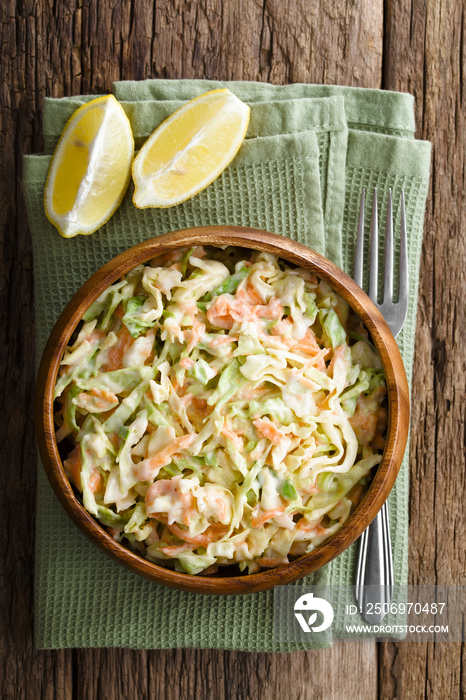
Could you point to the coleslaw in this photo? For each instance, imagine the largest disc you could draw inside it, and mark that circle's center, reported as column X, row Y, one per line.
column 219, row 406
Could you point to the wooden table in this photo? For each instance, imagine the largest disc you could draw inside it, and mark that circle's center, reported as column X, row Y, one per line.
column 81, row 46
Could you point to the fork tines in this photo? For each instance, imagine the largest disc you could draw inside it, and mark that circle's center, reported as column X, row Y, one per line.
column 393, row 312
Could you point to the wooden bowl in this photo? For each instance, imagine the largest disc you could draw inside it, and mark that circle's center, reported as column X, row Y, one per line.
column 397, row 391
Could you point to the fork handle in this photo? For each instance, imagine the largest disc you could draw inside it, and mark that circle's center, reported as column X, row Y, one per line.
column 374, row 572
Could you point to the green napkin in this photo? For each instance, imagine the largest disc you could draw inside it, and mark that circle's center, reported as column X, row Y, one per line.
column 325, row 116
column 278, row 182
column 371, row 110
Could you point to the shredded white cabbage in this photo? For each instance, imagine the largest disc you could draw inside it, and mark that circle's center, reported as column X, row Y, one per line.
column 222, row 408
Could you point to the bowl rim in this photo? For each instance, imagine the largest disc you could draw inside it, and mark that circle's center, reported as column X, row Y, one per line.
column 256, row 239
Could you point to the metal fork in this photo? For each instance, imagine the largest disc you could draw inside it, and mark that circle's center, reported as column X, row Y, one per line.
column 374, row 572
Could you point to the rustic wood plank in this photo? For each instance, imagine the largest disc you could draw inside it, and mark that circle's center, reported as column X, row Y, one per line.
column 304, row 675
column 220, row 675
column 24, row 673
column 425, row 55
column 116, row 674
column 55, row 50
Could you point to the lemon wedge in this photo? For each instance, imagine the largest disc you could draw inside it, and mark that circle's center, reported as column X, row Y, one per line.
column 189, row 149
column 90, row 169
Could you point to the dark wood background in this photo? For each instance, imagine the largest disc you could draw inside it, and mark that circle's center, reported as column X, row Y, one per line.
column 80, row 46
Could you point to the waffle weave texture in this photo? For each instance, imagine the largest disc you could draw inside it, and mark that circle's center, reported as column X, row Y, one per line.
column 309, row 152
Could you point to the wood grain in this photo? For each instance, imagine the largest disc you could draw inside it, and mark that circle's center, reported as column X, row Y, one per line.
column 425, row 54
column 82, row 46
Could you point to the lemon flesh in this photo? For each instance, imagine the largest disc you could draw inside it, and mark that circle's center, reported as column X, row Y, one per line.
column 189, row 149
column 90, row 169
